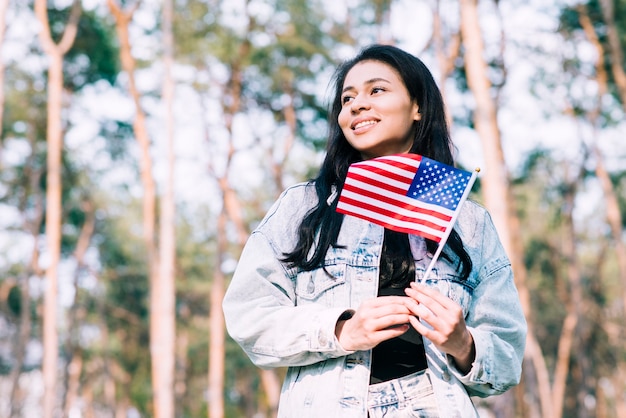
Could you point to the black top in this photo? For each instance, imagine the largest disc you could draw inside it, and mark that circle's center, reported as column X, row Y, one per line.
column 399, row 356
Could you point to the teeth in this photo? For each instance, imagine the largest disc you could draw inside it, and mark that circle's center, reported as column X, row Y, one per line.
column 365, row 123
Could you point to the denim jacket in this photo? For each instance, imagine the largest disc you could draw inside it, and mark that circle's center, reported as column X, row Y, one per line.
column 284, row 317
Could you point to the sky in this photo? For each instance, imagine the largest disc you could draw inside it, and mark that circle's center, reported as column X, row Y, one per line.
column 526, row 121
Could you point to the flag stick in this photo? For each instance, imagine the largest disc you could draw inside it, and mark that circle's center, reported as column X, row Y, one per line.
column 445, row 236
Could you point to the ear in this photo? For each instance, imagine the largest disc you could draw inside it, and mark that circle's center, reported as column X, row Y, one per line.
column 416, row 112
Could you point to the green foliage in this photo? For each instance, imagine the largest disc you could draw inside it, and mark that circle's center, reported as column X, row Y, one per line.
column 277, row 57
column 94, row 56
column 14, row 300
column 539, row 191
column 570, row 28
column 118, row 135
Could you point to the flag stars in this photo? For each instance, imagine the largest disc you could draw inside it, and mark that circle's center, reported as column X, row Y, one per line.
column 438, row 184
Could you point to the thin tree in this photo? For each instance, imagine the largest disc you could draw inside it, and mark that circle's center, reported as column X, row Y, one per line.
column 574, row 304
column 122, row 22
column 230, row 208
column 619, row 75
column 163, row 339
column 54, row 139
column 32, row 217
column 496, row 181
column 446, row 54
column 613, row 213
column 607, row 8
column 77, row 313
column 217, row 333
column 3, row 12
column 160, row 302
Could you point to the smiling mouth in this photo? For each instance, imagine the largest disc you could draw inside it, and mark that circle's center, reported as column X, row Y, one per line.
column 363, row 124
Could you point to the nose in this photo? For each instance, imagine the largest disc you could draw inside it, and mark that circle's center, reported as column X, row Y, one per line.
column 359, row 103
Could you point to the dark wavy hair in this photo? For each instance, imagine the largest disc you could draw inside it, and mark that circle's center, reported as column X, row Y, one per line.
column 431, row 139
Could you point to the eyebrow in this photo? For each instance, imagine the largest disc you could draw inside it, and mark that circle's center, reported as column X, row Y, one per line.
column 368, row 82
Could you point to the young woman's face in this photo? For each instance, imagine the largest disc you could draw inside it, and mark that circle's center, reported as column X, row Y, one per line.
column 377, row 113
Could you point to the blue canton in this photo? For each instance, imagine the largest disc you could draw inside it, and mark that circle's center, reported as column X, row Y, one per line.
column 438, row 184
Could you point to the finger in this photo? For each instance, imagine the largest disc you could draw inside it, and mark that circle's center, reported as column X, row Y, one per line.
column 421, row 328
column 388, row 301
column 393, row 332
column 393, row 306
column 422, row 300
column 436, row 302
column 392, row 321
column 440, row 323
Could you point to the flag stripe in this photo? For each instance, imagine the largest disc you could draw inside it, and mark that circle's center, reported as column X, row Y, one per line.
column 407, row 229
column 379, row 182
column 390, row 215
column 389, row 201
column 399, row 178
column 405, row 167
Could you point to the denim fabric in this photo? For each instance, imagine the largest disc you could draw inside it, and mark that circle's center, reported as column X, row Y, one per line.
column 282, row 317
column 407, row 397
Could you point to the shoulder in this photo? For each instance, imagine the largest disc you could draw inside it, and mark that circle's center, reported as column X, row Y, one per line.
column 475, row 225
column 292, row 204
column 472, row 217
column 280, row 224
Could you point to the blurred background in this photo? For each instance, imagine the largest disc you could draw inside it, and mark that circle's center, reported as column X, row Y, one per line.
column 142, row 141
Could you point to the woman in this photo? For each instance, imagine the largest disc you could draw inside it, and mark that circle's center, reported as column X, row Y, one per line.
column 334, row 297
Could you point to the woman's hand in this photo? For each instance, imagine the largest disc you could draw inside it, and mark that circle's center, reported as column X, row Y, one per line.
column 376, row 320
column 448, row 333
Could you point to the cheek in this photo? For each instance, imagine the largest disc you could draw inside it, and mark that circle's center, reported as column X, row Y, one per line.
column 343, row 120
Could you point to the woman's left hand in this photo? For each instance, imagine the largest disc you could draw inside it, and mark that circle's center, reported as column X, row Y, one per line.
column 448, row 333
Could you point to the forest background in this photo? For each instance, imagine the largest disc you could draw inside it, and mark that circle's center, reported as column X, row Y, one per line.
column 142, row 141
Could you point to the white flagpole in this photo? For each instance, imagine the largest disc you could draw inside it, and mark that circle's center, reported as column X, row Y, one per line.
column 446, row 234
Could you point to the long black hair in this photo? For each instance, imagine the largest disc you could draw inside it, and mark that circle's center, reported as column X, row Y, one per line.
column 431, row 139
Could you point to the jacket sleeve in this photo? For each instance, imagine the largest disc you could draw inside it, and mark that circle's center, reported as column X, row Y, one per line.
column 261, row 312
column 495, row 317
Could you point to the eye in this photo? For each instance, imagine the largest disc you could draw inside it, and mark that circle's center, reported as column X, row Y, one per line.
column 346, row 99
column 377, row 90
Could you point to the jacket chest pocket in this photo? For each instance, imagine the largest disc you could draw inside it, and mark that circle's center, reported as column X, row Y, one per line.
column 328, row 287
column 454, row 288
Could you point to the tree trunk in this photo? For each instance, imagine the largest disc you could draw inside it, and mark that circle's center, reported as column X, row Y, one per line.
column 163, row 311
column 161, row 292
column 613, row 213
column 271, row 385
column 615, row 49
column 77, row 313
column 574, row 304
column 22, row 341
column 230, row 208
column 445, row 55
column 122, row 21
column 33, row 172
column 217, row 334
column 182, row 348
column 3, row 10
column 54, row 141
column 74, row 369
column 53, row 234
column 498, row 197
column 495, row 180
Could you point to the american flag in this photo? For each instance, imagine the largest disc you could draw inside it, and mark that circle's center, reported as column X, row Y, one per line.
column 406, row 193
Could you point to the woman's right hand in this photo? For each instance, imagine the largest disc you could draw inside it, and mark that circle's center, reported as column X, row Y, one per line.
column 376, row 320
